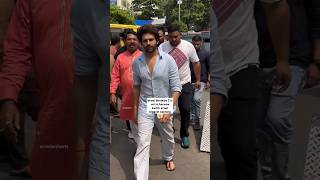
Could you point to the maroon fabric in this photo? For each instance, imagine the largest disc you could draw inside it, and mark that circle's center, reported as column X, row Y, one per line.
column 224, row 8
column 39, row 36
column 178, row 56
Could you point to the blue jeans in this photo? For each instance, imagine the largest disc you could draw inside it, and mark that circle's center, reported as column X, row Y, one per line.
column 196, row 103
column 274, row 125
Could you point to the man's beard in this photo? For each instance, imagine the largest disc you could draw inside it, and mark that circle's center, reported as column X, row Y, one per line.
column 150, row 49
column 131, row 48
column 175, row 43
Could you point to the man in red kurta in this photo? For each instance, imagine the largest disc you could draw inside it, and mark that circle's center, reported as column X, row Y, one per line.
column 38, row 35
column 121, row 76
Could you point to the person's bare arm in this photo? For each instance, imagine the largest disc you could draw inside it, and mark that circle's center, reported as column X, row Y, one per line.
column 313, row 9
column 85, row 97
column 277, row 15
column 215, row 109
column 313, row 71
column 197, row 73
column 175, row 97
column 219, row 86
column 208, row 71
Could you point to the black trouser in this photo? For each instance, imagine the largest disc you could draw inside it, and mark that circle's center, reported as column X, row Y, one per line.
column 128, row 125
column 236, row 126
column 184, row 103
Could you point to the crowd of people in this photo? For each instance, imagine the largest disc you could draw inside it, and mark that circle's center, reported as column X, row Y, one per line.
column 51, row 55
column 153, row 66
column 54, row 68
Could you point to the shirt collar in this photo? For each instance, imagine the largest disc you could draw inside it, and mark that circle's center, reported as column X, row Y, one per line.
column 161, row 53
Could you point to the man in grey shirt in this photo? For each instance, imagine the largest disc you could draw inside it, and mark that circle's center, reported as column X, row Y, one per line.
column 238, row 38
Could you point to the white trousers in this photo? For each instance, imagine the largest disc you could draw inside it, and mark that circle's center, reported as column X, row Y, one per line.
column 144, row 133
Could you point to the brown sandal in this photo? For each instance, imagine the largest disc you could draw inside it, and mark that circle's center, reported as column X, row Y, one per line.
column 169, row 165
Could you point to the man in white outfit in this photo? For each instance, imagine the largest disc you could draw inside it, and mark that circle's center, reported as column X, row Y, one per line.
column 155, row 75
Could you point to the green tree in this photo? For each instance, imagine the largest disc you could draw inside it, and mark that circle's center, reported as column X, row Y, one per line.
column 149, row 8
column 120, row 16
column 181, row 25
column 194, row 13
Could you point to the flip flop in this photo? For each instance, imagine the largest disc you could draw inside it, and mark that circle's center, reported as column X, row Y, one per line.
column 167, row 164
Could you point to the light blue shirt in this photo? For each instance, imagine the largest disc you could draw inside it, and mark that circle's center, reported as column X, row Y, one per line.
column 163, row 81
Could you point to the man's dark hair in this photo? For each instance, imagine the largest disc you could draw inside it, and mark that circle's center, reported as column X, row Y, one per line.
column 172, row 28
column 129, row 31
column 122, row 35
column 115, row 40
column 197, row 38
column 161, row 29
column 149, row 28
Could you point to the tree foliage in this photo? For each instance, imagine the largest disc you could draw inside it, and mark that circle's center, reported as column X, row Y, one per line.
column 194, row 14
column 149, row 8
column 181, row 25
column 120, row 16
